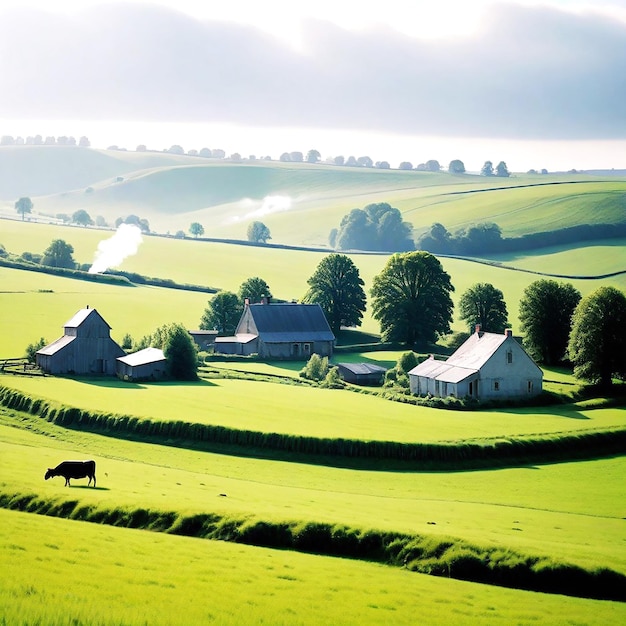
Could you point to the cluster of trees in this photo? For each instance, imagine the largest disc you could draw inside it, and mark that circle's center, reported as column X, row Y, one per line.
column 500, row 170
column 411, row 299
column 225, row 308
column 377, row 227
column 38, row 140
column 483, row 237
column 140, row 222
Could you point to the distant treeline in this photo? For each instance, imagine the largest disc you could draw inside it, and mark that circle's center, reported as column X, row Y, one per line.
column 486, row 238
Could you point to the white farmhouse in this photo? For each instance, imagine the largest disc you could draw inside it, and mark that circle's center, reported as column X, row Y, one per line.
column 488, row 366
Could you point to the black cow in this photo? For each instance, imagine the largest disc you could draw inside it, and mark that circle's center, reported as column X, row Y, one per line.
column 74, row 469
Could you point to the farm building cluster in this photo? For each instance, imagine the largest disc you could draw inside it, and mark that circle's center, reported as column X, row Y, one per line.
column 487, row 366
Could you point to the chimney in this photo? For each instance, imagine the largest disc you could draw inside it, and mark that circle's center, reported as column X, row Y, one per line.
column 265, row 299
column 508, row 332
column 246, row 301
column 477, row 328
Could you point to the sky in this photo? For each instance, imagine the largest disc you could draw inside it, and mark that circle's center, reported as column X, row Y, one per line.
column 534, row 83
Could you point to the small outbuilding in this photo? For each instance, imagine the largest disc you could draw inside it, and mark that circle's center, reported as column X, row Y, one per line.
column 280, row 331
column 204, row 339
column 146, row 364
column 362, row 373
column 488, row 366
column 86, row 347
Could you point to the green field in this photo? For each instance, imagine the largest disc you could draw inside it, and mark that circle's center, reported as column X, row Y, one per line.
column 65, row 572
column 225, row 267
column 531, row 509
column 173, row 191
column 271, row 407
column 71, row 572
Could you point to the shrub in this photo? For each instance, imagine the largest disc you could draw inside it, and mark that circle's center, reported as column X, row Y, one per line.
column 333, row 380
column 316, row 368
column 32, row 348
column 406, row 362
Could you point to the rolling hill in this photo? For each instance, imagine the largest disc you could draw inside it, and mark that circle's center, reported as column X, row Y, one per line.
column 299, row 202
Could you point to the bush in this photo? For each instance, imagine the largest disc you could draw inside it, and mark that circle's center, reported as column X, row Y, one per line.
column 32, row 348
column 316, row 368
column 406, row 362
column 333, row 380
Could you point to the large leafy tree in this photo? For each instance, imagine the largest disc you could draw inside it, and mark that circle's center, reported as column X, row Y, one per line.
column 59, row 254
column 222, row 314
column 258, row 232
column 254, row 289
column 597, row 343
column 24, row 205
column 179, row 349
column 411, row 299
column 82, row 218
column 196, row 229
column 545, row 311
column 456, row 166
column 338, row 288
column 483, row 304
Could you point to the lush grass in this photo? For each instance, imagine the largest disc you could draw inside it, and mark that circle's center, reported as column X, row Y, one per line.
column 66, row 572
column 306, row 411
column 532, row 510
column 227, row 266
column 34, row 305
column 174, row 191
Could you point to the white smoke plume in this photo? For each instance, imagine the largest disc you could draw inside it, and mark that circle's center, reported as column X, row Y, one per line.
column 112, row 251
column 269, row 205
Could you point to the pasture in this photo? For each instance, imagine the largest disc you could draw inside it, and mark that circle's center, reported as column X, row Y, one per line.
column 140, row 310
column 569, row 512
column 532, row 509
column 308, row 411
column 173, row 191
column 65, row 572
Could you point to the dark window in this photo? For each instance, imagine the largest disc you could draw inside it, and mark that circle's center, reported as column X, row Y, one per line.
column 295, row 349
column 306, row 348
column 530, row 386
column 496, row 385
column 509, row 357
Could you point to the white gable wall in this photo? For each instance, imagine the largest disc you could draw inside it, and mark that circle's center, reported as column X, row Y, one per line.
column 509, row 373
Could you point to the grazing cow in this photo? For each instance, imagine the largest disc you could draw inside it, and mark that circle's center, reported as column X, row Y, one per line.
column 74, row 469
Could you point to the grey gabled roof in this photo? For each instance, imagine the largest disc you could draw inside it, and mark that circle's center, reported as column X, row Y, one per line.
column 56, row 346
column 291, row 322
column 442, row 370
column 81, row 316
column 363, row 368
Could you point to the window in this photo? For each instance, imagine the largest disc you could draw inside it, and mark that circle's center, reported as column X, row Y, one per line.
column 295, row 349
column 509, row 356
column 306, row 348
column 496, row 385
column 530, row 386
column 471, row 389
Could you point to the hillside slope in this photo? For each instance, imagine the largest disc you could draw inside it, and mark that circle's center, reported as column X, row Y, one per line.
column 299, row 202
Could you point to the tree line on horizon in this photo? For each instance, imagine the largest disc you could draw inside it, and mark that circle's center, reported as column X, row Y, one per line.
column 456, row 166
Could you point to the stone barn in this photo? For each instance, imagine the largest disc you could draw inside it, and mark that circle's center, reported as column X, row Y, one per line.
column 280, row 331
column 146, row 364
column 488, row 366
column 362, row 373
column 86, row 347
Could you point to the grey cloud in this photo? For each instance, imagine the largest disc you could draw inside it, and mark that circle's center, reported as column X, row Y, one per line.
column 531, row 72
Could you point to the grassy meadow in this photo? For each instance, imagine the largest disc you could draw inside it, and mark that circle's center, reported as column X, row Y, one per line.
column 532, row 509
column 309, row 411
column 140, row 310
column 68, row 572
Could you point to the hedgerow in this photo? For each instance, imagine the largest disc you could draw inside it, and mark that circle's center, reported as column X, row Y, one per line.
column 443, row 455
column 438, row 556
